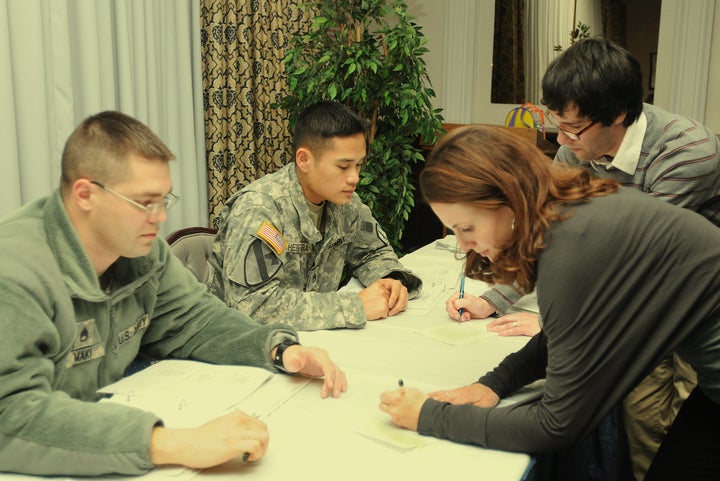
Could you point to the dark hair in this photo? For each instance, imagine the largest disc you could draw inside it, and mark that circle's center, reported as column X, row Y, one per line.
column 601, row 78
column 324, row 120
column 489, row 167
column 100, row 146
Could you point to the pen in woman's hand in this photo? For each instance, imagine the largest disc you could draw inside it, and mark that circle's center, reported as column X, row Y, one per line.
column 462, row 294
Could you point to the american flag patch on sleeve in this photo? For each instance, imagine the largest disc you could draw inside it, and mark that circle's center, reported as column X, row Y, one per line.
column 272, row 236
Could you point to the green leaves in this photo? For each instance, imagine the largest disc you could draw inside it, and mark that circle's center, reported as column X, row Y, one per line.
column 368, row 55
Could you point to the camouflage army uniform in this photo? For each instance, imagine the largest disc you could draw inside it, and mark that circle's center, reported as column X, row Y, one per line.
column 272, row 262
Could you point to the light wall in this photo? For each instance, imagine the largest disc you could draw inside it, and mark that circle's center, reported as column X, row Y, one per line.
column 712, row 108
column 463, row 66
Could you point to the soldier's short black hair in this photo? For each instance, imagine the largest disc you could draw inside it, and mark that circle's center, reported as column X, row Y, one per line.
column 324, row 120
column 600, row 77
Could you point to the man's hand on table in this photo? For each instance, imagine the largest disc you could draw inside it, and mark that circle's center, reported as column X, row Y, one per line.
column 315, row 362
column 215, row 442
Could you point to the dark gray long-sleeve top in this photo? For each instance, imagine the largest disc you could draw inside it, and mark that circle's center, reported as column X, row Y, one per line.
column 625, row 281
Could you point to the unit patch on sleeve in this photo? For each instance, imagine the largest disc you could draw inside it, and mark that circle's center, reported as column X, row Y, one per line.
column 272, row 236
column 261, row 263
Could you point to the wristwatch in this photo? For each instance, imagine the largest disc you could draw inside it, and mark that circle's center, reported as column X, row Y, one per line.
column 278, row 359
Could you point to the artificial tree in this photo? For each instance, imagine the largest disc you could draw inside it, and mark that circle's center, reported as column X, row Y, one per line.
column 368, row 54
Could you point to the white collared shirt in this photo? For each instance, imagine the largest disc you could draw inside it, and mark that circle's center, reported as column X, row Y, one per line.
column 628, row 155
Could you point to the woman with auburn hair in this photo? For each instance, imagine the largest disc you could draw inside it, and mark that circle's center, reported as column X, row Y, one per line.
column 622, row 281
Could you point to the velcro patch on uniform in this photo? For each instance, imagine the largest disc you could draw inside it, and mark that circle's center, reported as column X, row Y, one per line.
column 382, row 235
column 261, row 263
column 366, row 226
column 88, row 344
column 374, row 229
column 141, row 324
column 272, row 236
column 299, row 248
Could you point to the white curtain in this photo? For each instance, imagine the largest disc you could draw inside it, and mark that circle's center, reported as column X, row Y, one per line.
column 683, row 81
column 63, row 60
column 549, row 23
column 460, row 60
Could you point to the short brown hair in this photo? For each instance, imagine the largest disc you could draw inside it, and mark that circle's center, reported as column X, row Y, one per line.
column 488, row 167
column 99, row 147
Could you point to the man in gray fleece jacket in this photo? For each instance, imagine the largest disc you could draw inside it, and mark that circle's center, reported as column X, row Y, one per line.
column 85, row 285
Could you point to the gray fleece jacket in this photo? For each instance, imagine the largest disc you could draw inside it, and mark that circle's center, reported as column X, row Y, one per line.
column 63, row 337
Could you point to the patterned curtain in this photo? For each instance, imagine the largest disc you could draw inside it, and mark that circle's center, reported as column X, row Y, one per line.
column 508, row 72
column 614, row 21
column 243, row 46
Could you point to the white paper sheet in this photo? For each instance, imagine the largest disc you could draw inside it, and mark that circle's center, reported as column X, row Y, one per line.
column 187, row 393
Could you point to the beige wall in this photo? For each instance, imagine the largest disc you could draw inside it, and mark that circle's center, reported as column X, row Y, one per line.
column 712, row 106
column 432, row 15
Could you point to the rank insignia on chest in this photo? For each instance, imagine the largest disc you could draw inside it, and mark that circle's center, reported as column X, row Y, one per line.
column 298, row 248
column 88, row 344
column 272, row 237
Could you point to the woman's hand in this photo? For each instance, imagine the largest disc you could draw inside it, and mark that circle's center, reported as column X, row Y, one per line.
column 516, row 324
column 473, row 307
column 403, row 405
column 477, row 394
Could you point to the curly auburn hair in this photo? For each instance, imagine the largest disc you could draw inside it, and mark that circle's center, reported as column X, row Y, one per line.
column 489, row 167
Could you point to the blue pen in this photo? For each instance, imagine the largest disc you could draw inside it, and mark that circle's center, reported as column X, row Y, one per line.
column 462, row 294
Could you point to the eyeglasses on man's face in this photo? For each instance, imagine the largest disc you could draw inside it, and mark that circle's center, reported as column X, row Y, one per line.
column 151, row 209
column 569, row 134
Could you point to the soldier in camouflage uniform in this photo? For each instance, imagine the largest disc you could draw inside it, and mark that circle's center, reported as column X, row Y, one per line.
column 285, row 239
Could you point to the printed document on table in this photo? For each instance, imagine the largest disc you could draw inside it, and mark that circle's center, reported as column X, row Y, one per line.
column 187, row 393
column 457, row 333
column 357, row 409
